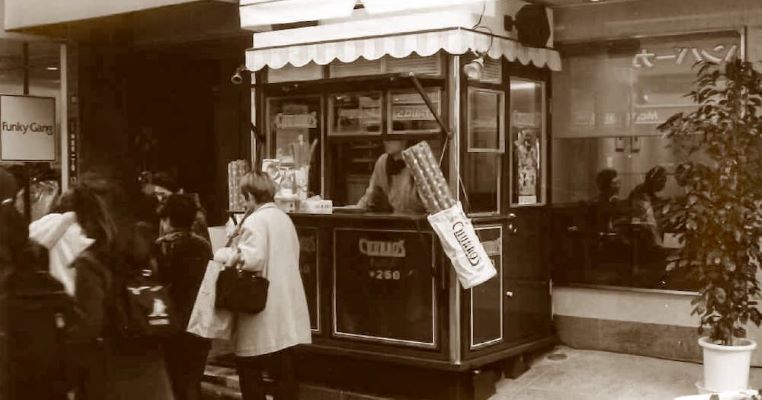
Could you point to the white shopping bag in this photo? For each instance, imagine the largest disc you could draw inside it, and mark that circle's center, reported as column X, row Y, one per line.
column 206, row 320
column 462, row 246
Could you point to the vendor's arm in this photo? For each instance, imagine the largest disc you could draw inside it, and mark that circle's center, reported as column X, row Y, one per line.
column 375, row 178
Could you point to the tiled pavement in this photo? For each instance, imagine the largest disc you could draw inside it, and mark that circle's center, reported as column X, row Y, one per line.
column 578, row 375
column 596, row 375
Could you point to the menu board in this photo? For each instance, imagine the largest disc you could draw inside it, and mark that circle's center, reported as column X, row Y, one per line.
column 410, row 114
column 384, row 287
column 309, row 269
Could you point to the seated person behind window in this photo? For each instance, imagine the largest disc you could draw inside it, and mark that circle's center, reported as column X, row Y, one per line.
column 644, row 201
column 391, row 187
column 607, row 208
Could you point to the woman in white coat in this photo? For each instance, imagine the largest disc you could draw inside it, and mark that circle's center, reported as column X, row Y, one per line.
column 268, row 243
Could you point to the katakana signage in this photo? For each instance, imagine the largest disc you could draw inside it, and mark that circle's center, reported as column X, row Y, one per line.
column 646, row 58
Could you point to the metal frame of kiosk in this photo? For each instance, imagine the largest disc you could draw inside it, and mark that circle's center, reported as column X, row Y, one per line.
column 388, row 314
column 450, row 342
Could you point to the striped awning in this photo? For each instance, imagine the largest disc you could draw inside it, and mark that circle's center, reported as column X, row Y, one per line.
column 425, row 43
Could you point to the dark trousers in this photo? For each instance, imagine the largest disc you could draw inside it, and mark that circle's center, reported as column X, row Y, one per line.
column 185, row 356
column 89, row 370
column 280, row 366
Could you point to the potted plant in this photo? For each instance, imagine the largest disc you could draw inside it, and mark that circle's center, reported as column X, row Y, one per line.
column 719, row 218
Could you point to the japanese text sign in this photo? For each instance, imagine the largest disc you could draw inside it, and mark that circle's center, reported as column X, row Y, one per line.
column 678, row 55
column 27, row 128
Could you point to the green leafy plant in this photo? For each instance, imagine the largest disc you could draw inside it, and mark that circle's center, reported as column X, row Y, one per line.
column 719, row 218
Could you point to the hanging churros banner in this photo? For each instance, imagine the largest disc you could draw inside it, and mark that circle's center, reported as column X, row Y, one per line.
column 446, row 216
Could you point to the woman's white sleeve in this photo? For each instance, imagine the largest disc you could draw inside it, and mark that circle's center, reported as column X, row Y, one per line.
column 253, row 246
column 223, row 255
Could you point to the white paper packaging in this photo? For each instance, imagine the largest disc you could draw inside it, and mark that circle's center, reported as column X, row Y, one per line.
column 462, row 246
column 206, row 320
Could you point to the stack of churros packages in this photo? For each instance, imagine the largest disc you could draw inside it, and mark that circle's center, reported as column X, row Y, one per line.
column 454, row 229
column 236, row 170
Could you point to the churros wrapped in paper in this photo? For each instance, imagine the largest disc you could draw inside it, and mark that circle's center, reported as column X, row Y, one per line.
column 429, row 180
column 454, row 229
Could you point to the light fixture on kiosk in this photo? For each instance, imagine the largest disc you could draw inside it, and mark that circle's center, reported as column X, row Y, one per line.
column 237, row 77
column 474, row 68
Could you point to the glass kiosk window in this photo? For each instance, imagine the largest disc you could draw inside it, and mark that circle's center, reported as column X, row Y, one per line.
column 357, row 126
column 486, row 144
column 355, row 114
column 294, row 133
column 527, row 142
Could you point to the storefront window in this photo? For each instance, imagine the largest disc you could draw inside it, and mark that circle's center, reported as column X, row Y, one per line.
column 42, row 70
column 294, row 131
column 607, row 153
column 527, row 141
column 355, row 114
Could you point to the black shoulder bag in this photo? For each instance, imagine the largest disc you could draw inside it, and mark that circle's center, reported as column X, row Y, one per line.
column 240, row 290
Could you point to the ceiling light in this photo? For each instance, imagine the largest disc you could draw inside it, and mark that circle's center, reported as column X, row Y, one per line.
column 52, row 68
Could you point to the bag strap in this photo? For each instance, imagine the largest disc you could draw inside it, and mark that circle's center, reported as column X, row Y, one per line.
column 238, row 229
column 266, row 267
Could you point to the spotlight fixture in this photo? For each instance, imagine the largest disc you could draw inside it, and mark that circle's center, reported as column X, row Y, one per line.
column 474, row 68
column 237, row 77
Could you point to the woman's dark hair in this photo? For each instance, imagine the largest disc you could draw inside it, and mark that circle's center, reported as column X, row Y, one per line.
column 14, row 231
column 17, row 252
column 259, row 185
column 656, row 178
column 181, row 210
column 604, row 178
column 8, row 185
column 92, row 215
column 165, row 180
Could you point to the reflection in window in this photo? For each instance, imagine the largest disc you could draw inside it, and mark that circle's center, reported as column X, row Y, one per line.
column 612, row 169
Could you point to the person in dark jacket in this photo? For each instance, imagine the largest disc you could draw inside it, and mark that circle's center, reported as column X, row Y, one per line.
column 31, row 366
column 182, row 257
column 93, row 293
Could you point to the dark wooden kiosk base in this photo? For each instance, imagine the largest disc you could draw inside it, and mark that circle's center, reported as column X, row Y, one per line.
column 390, row 318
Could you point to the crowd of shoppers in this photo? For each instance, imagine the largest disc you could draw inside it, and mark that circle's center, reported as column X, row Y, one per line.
column 105, row 244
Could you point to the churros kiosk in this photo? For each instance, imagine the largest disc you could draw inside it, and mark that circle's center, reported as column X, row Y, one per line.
column 332, row 80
